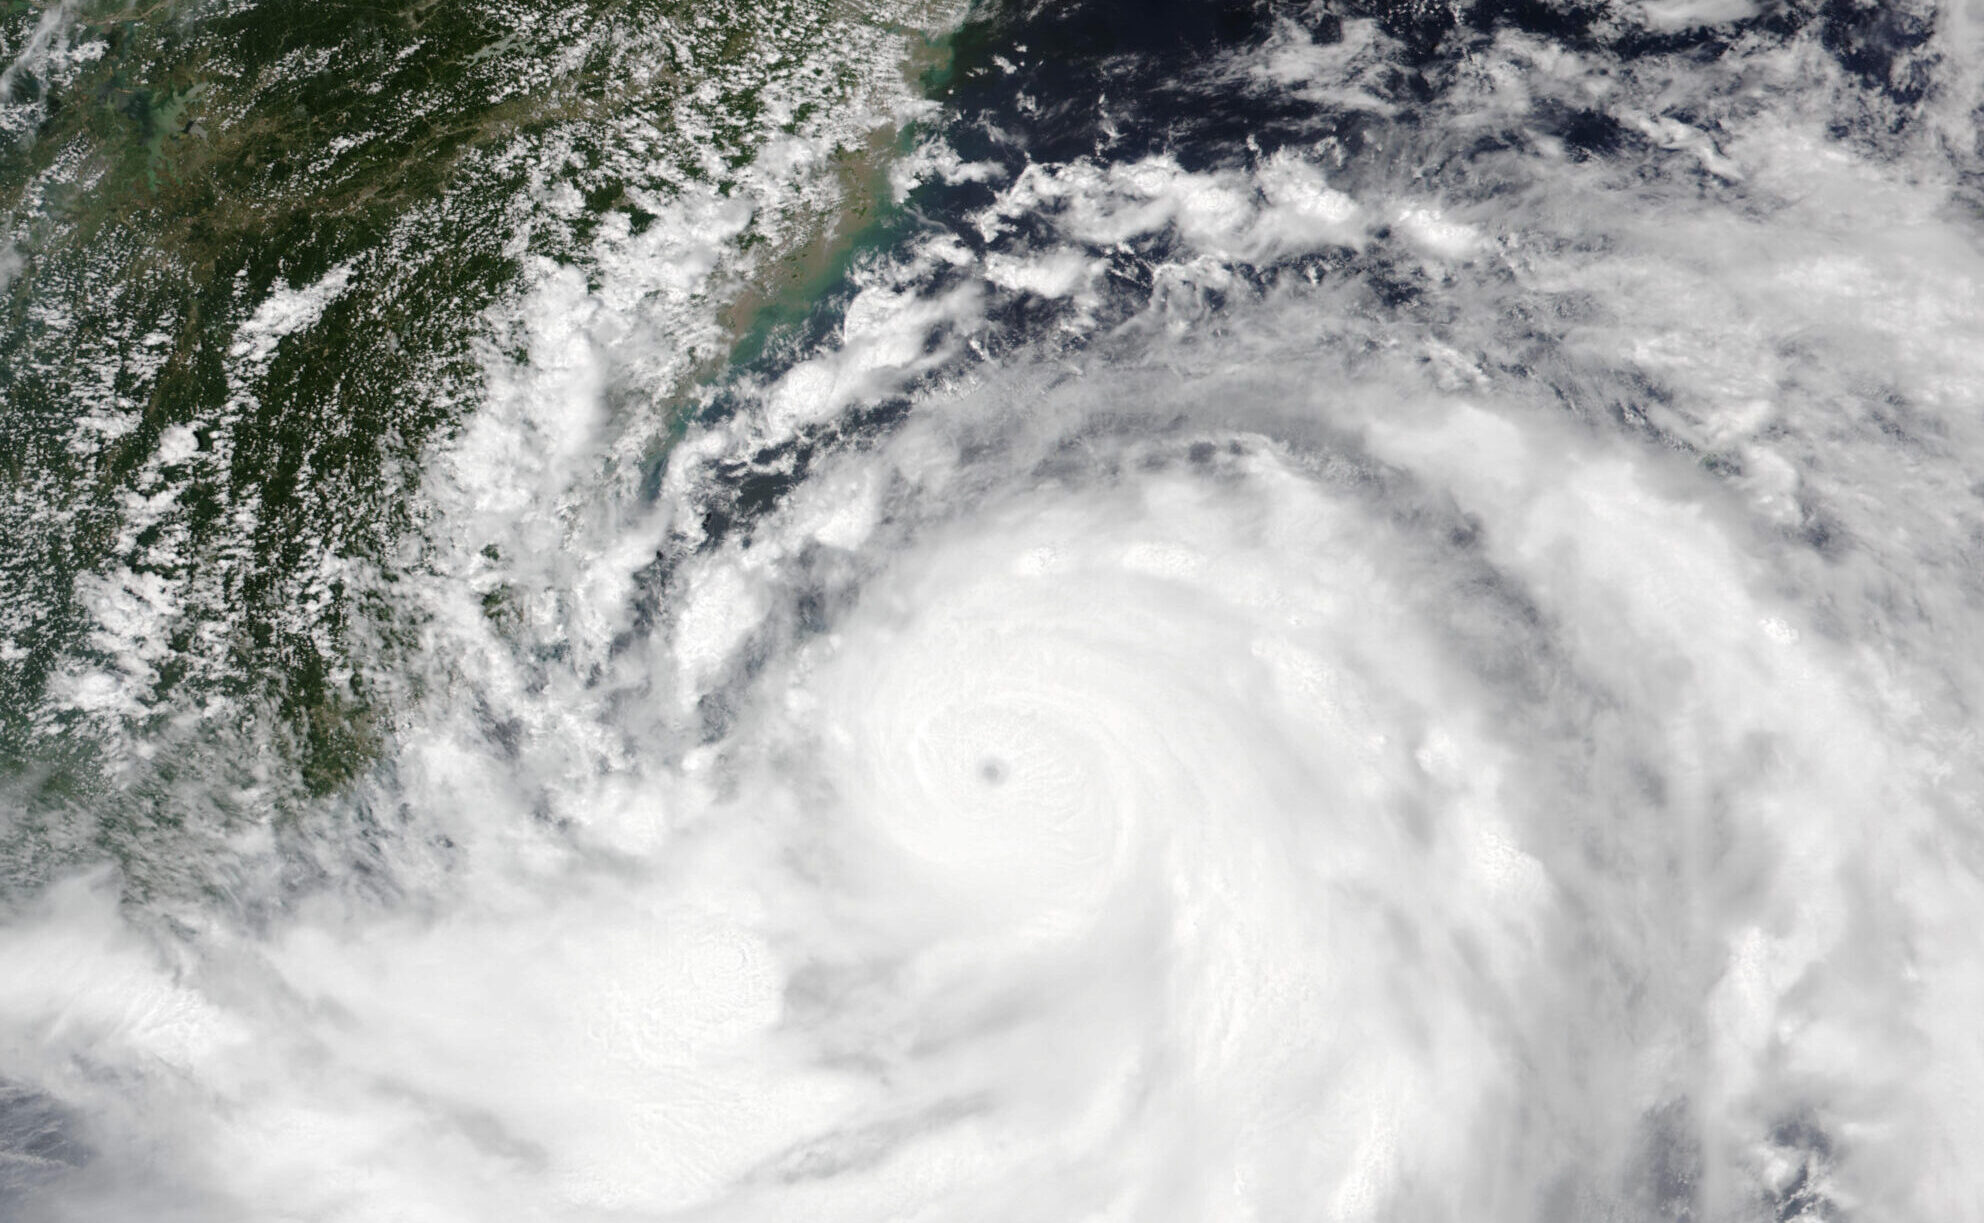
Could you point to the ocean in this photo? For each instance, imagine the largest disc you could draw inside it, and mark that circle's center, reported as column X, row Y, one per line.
column 1196, row 610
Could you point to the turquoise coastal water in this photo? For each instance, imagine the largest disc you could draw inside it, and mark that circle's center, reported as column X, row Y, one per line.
column 264, row 260
column 1207, row 609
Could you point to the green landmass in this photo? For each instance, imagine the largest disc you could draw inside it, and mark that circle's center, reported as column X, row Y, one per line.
column 175, row 166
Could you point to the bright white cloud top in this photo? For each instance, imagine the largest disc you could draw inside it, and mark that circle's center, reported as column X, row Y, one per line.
column 1424, row 668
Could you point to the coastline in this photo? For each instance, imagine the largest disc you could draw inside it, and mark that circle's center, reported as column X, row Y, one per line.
column 217, row 554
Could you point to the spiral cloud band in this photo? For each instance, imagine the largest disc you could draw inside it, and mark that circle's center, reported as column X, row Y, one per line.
column 1357, row 619
column 1452, row 816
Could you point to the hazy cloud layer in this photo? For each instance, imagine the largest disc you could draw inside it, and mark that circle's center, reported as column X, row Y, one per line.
column 1411, row 658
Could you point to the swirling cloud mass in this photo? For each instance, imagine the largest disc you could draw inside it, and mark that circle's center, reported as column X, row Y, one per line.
column 1358, row 614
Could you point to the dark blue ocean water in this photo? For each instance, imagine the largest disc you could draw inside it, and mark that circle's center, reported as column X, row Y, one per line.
column 1353, row 612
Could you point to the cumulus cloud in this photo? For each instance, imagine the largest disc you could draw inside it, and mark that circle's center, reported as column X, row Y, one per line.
column 1289, row 683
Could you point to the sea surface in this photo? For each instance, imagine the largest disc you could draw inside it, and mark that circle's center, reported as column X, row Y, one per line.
column 855, row 610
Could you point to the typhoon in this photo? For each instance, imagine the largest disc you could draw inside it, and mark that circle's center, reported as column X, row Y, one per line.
column 1209, row 610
